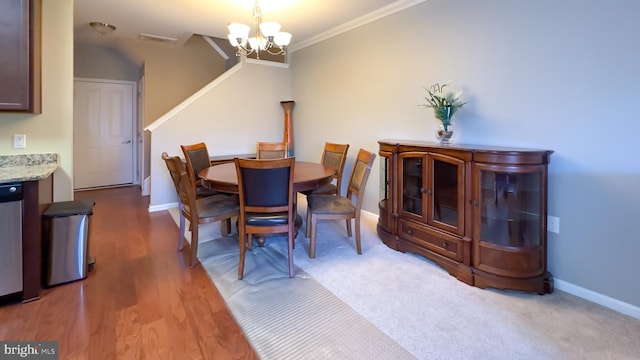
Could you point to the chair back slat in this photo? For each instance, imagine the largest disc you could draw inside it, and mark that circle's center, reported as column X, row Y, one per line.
column 334, row 156
column 182, row 183
column 197, row 158
column 360, row 175
column 271, row 150
column 332, row 160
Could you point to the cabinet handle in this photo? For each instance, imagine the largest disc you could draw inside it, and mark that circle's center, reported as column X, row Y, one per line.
column 474, row 202
column 409, row 231
column 444, row 244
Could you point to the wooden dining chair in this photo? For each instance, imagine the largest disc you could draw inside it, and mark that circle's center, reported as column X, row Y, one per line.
column 198, row 211
column 271, row 150
column 265, row 189
column 333, row 156
column 197, row 158
column 332, row 207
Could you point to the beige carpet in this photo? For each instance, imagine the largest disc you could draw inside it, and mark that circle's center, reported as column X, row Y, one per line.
column 434, row 316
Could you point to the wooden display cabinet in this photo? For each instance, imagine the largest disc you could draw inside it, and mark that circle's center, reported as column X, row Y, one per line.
column 479, row 212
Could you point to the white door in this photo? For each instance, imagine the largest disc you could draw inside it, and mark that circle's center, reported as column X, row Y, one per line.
column 103, row 134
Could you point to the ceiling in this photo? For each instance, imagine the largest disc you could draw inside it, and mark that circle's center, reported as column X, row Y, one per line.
column 180, row 19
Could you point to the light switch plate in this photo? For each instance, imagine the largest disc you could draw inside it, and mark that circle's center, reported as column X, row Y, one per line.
column 19, row 141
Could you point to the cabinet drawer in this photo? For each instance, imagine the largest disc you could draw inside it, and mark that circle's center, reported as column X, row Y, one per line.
column 431, row 239
column 510, row 262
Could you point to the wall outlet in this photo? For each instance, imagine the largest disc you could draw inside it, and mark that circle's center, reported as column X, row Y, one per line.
column 19, row 141
column 553, row 224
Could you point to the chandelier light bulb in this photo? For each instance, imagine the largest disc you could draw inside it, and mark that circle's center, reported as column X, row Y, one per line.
column 257, row 43
column 239, row 31
column 235, row 41
column 282, row 38
column 269, row 28
column 253, row 43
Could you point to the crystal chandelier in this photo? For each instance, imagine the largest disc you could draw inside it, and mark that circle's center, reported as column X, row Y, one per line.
column 268, row 36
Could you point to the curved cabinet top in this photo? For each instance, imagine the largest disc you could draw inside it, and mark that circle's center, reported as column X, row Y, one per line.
column 475, row 153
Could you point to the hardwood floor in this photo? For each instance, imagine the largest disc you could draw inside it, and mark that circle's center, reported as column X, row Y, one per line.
column 141, row 301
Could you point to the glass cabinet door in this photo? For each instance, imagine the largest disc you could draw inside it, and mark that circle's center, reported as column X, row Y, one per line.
column 511, row 208
column 446, row 193
column 386, row 202
column 385, row 178
column 412, row 173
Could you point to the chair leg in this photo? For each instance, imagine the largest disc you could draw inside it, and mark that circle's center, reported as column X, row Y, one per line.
column 182, row 228
column 349, row 232
column 242, row 242
column 225, row 227
column 358, row 244
column 194, row 244
column 312, row 243
column 307, row 231
column 290, row 254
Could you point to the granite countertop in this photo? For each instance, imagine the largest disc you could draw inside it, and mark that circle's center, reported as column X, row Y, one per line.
column 16, row 168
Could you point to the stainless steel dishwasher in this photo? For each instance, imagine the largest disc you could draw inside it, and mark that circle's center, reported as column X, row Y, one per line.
column 10, row 238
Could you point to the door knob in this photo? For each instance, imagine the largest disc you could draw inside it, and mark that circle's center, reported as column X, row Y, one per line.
column 127, row 142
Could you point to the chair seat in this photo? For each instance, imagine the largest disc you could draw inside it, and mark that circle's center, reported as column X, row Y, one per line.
column 214, row 206
column 330, row 204
column 329, row 189
column 202, row 191
column 261, row 219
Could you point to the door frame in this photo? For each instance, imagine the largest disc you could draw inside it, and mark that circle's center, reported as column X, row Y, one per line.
column 135, row 126
column 144, row 184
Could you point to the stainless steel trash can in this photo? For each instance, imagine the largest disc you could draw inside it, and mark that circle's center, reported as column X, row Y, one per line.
column 66, row 227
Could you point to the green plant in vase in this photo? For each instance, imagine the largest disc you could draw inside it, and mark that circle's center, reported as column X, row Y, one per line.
column 445, row 104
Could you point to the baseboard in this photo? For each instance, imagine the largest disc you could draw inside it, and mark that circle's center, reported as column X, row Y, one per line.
column 604, row 300
column 145, row 186
column 162, row 207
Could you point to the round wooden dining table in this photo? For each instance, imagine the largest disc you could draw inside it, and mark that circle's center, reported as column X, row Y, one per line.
column 306, row 176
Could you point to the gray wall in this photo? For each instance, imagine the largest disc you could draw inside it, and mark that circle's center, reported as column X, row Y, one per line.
column 102, row 62
column 559, row 75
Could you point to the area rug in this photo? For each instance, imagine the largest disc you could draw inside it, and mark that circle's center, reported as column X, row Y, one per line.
column 286, row 318
column 385, row 304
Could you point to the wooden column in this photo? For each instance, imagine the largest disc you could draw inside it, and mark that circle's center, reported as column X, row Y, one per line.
column 288, row 125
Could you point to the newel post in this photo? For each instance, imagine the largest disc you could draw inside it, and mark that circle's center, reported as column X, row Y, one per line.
column 287, row 106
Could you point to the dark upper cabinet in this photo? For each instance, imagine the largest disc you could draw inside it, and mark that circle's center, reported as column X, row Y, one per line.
column 20, row 55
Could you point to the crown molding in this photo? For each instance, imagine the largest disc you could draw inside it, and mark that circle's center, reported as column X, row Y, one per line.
column 357, row 22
